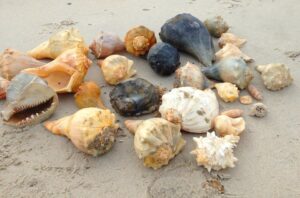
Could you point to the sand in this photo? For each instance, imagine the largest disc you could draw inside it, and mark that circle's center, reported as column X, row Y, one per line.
column 36, row 163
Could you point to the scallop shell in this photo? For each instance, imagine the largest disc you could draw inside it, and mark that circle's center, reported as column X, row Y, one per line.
column 58, row 44
column 254, row 92
column 3, row 87
column 246, row 100
column 224, row 125
column 275, row 76
column 215, row 153
column 106, row 44
column 228, row 92
column 116, row 68
column 259, row 110
column 216, row 26
column 196, row 108
column 156, row 140
column 233, row 113
column 230, row 50
column 229, row 38
column 139, row 40
column 189, row 76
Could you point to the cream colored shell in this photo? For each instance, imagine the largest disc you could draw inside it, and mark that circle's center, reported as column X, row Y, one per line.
column 232, row 39
column 224, row 125
column 230, row 50
column 228, row 92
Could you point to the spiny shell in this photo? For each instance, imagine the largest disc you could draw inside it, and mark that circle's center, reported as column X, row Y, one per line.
column 3, row 87
column 233, row 113
column 216, row 26
column 91, row 130
column 224, row 125
column 228, row 92
column 116, row 68
column 215, row 153
column 230, row 50
column 259, row 110
column 254, row 92
column 196, row 108
column 189, row 76
column 227, row 38
column 105, row 44
column 275, row 76
column 246, row 100
column 139, row 40
column 156, row 140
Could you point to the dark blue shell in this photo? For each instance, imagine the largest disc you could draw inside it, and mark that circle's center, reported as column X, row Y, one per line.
column 163, row 58
column 188, row 34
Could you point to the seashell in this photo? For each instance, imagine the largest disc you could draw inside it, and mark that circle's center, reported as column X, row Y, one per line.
column 233, row 113
column 156, row 140
column 88, row 95
column 215, row 153
column 139, row 40
column 106, row 44
column 230, row 50
column 91, row 130
column 29, row 100
column 116, row 68
column 195, row 108
column 246, row 100
column 66, row 72
column 216, row 26
column 13, row 61
column 259, row 110
column 228, row 92
column 187, row 33
column 189, row 76
column 135, row 97
column 229, row 38
column 224, row 125
column 275, row 76
column 253, row 91
column 163, row 58
column 3, row 87
column 58, row 44
column 233, row 70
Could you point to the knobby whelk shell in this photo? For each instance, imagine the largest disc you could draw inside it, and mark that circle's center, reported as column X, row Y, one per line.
column 216, row 26
column 229, row 38
column 228, row 92
column 225, row 125
column 3, row 87
column 230, row 50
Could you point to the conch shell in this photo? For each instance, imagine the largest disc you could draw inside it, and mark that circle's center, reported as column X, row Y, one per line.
column 3, row 87
column 189, row 75
column 224, row 125
column 228, row 92
column 156, row 140
column 88, row 95
column 66, row 72
column 230, row 50
column 116, row 68
column 13, row 61
column 216, row 26
column 59, row 43
column 139, row 40
column 195, row 108
column 106, row 44
column 91, row 130
column 229, row 38
column 215, row 153
column 275, row 76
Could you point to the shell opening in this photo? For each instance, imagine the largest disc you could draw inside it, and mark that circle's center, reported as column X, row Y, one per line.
column 58, row 80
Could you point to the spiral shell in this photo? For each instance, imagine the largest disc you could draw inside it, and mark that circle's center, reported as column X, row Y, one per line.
column 216, row 26
column 254, row 92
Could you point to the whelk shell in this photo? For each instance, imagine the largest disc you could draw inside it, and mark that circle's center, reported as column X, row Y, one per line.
column 227, row 38
column 3, row 87
column 230, row 50
column 228, row 92
column 216, row 26
column 224, row 125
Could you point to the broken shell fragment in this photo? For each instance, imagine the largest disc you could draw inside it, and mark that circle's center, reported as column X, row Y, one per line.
column 58, row 44
column 275, row 76
column 215, row 153
column 187, row 33
column 163, row 58
column 29, row 100
column 230, row 50
column 224, row 125
column 258, row 110
column 229, row 38
column 228, row 92
column 88, row 95
column 246, row 100
column 139, row 40
column 116, row 68
column 233, row 113
column 254, row 92
column 216, row 26
column 195, row 108
column 106, row 44
column 189, row 75
column 3, row 87
column 135, row 97
column 91, row 130
column 156, row 140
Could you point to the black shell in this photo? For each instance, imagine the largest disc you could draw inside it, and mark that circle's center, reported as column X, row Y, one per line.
column 187, row 33
column 163, row 58
column 135, row 97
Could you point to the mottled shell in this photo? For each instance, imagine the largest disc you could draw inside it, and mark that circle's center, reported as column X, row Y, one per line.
column 259, row 110
column 216, row 26
column 215, row 153
column 224, row 125
column 275, row 76
column 230, row 50
column 91, row 130
column 139, row 40
column 228, row 92
column 58, row 44
column 105, row 44
column 3, row 87
column 189, row 76
column 156, row 141
column 116, row 68
column 229, row 38
column 196, row 108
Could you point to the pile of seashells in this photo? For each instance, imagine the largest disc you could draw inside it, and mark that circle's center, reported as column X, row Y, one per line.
column 30, row 87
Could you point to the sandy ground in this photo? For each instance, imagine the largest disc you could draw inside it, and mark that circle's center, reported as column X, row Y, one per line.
column 35, row 163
